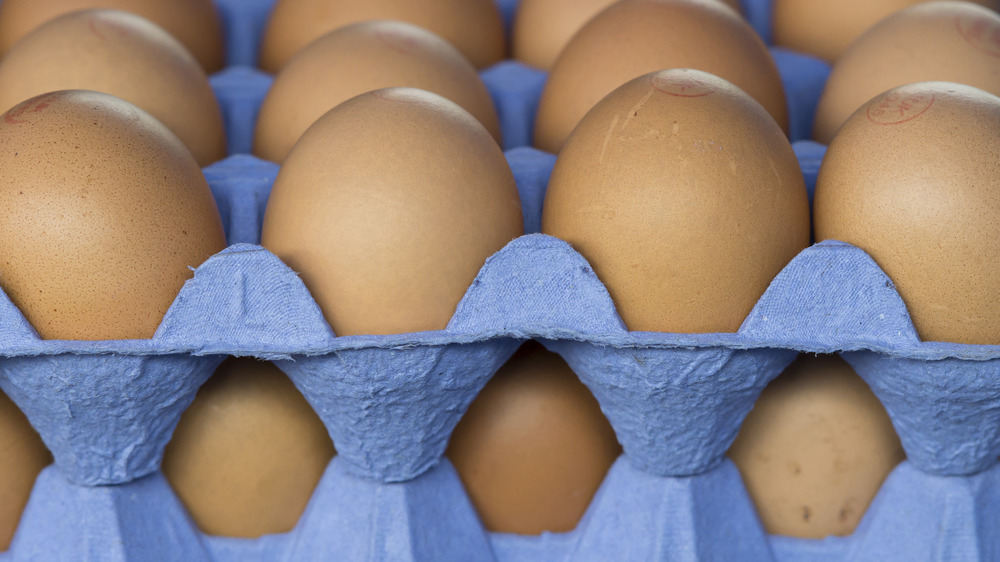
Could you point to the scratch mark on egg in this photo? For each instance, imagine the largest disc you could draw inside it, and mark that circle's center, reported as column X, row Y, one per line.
column 632, row 113
column 774, row 169
column 607, row 138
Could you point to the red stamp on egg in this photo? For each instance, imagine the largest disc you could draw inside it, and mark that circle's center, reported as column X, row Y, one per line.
column 34, row 105
column 687, row 87
column 981, row 32
column 895, row 108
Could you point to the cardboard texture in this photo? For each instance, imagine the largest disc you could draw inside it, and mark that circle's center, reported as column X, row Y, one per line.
column 107, row 408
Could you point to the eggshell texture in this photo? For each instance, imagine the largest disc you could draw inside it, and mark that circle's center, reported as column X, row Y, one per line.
column 388, row 206
column 542, row 28
column 913, row 178
column 248, row 452
column 473, row 26
column 195, row 23
column 815, row 449
column 357, row 59
column 24, row 456
column 684, row 196
column 945, row 41
column 534, row 446
column 123, row 55
column 825, row 29
column 103, row 213
column 640, row 36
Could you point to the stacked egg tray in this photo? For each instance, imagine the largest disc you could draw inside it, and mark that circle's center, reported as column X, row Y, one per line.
column 106, row 409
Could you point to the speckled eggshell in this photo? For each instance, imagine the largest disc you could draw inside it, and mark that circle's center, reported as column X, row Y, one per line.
column 388, row 206
column 473, row 26
column 815, row 449
column 534, row 447
column 103, row 213
column 359, row 58
column 825, row 29
column 23, row 457
column 684, row 196
column 633, row 38
column 248, row 452
column 124, row 55
column 913, row 178
column 542, row 28
column 945, row 41
column 195, row 23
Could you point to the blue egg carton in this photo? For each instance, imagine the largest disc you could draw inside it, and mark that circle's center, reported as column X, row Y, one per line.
column 106, row 409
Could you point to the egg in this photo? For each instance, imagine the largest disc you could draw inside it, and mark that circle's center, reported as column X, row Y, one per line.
column 473, row 26
column 912, row 179
column 825, row 29
column 24, row 456
column 632, row 38
column 124, row 55
column 534, row 447
column 941, row 41
column 359, row 58
column 685, row 197
column 248, row 453
column 815, row 449
column 542, row 28
column 195, row 23
column 388, row 206
column 103, row 213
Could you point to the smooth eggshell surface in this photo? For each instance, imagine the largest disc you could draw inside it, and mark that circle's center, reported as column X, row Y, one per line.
column 124, row 55
column 248, row 452
column 633, row 38
column 24, row 456
column 913, row 178
column 388, row 206
column 104, row 212
column 195, row 23
column 472, row 26
column 815, row 449
column 684, row 196
column 534, row 446
column 357, row 59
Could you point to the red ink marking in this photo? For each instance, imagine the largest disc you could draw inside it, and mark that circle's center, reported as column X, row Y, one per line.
column 687, row 87
column 895, row 108
column 34, row 105
column 397, row 41
column 981, row 32
column 92, row 24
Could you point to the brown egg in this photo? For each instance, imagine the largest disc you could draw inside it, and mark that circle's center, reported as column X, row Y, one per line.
column 946, row 41
column 542, row 28
column 123, row 55
column 24, row 456
column 473, row 26
column 640, row 36
column 360, row 58
column 684, row 196
column 912, row 179
column 825, row 29
column 815, row 449
column 248, row 452
column 195, row 23
column 534, row 446
column 388, row 206
column 103, row 213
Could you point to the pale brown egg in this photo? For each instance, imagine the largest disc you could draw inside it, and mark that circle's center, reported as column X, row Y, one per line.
column 633, row 38
column 542, row 28
column 388, row 206
column 24, row 456
column 124, row 55
column 248, row 452
column 943, row 41
column 103, row 213
column 913, row 178
column 472, row 26
column 815, row 449
column 825, row 29
column 359, row 58
column 195, row 23
column 534, row 447
column 685, row 197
